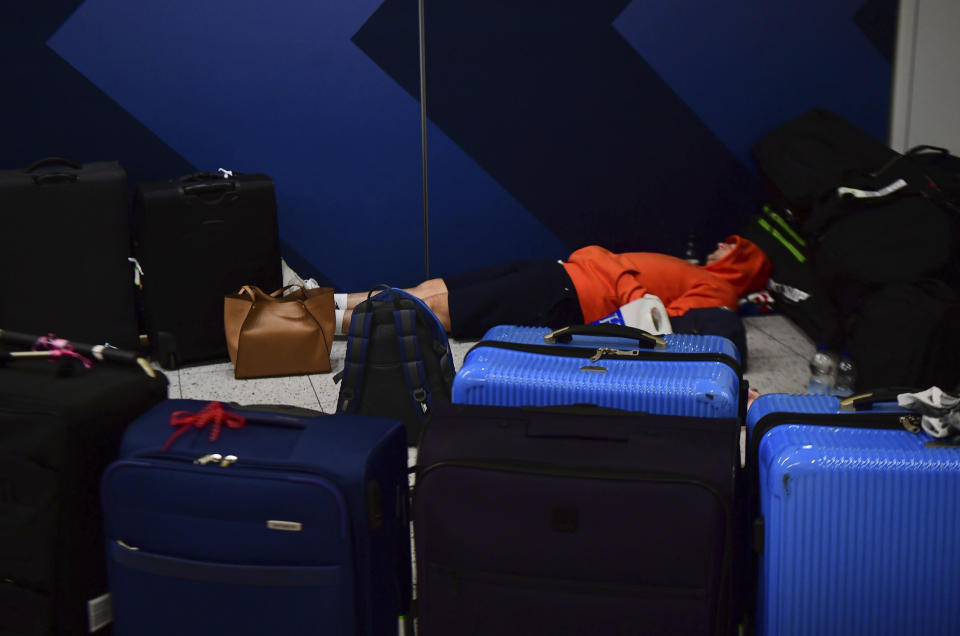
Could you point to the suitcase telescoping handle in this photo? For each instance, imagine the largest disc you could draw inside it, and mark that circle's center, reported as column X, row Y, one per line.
column 100, row 352
column 645, row 340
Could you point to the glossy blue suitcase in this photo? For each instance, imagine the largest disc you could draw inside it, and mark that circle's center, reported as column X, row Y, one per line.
column 856, row 519
column 607, row 365
column 284, row 524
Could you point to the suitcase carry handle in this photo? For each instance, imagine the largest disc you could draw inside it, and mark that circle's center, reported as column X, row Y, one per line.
column 582, row 409
column 912, row 152
column 53, row 160
column 99, row 352
column 200, row 176
column 209, row 188
column 199, row 183
column 53, row 177
column 919, row 150
column 645, row 340
column 578, row 429
column 865, row 401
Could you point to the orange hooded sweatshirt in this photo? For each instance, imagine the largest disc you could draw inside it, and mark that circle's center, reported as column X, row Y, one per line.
column 605, row 281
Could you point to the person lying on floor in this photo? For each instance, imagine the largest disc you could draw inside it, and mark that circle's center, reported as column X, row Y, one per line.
column 592, row 283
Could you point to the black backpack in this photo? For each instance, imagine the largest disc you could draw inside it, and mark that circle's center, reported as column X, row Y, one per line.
column 398, row 362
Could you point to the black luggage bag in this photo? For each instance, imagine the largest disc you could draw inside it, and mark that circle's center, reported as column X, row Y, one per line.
column 576, row 520
column 198, row 238
column 811, row 153
column 797, row 291
column 58, row 431
column 64, row 265
column 880, row 247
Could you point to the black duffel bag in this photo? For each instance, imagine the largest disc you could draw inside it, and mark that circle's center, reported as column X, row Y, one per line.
column 895, row 224
column 807, row 155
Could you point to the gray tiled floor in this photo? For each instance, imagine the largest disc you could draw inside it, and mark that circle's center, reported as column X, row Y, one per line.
column 778, row 355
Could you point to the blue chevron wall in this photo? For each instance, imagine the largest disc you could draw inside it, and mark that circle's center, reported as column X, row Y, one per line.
column 551, row 125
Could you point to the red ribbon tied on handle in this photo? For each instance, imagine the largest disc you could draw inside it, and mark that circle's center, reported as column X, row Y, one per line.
column 213, row 413
column 60, row 348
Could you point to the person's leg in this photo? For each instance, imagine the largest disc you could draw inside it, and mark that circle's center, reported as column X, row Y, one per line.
column 530, row 293
column 432, row 292
column 527, row 293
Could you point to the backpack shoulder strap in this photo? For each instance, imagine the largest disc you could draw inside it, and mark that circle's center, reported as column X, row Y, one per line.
column 408, row 344
column 358, row 342
column 441, row 344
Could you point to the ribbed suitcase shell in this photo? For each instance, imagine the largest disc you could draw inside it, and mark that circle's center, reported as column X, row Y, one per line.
column 702, row 388
column 191, row 548
column 860, row 527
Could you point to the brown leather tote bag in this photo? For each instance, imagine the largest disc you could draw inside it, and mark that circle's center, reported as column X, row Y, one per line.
column 272, row 334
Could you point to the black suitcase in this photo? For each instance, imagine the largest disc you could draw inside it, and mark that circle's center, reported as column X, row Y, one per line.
column 575, row 520
column 64, row 265
column 58, row 431
column 198, row 238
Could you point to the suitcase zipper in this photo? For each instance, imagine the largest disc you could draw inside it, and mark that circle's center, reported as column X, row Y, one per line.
column 538, row 583
column 609, row 353
column 909, row 422
column 225, row 461
column 315, row 476
column 551, row 470
column 217, row 458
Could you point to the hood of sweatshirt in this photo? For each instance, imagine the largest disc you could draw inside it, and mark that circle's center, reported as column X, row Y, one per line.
column 745, row 267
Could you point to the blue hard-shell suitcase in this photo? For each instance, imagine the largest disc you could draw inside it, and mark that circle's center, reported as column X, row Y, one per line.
column 856, row 519
column 607, row 365
column 286, row 524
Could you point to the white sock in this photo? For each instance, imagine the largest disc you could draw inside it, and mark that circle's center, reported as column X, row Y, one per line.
column 340, row 300
column 338, row 318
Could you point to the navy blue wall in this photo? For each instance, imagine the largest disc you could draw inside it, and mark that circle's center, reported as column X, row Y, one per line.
column 552, row 125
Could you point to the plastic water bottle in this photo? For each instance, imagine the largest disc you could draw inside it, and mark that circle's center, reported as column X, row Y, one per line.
column 823, row 370
column 846, row 376
column 690, row 253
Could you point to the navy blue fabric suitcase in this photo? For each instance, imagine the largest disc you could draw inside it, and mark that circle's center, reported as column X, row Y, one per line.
column 857, row 514
column 283, row 524
column 575, row 520
column 607, row 365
